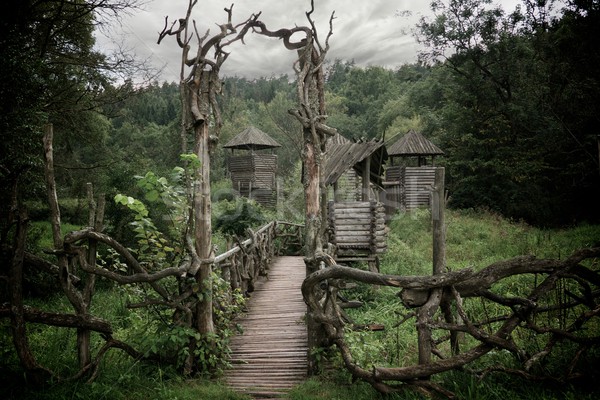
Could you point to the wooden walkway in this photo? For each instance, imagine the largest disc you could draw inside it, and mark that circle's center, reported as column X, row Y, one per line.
column 269, row 358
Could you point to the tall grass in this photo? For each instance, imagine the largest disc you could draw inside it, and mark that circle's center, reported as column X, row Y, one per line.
column 473, row 239
column 476, row 239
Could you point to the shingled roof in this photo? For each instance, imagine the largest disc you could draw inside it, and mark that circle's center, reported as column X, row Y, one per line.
column 252, row 138
column 413, row 144
column 343, row 154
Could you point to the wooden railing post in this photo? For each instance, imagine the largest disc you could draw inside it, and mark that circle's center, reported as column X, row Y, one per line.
column 426, row 312
column 438, row 221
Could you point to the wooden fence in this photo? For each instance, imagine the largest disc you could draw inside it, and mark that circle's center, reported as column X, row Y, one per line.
column 245, row 262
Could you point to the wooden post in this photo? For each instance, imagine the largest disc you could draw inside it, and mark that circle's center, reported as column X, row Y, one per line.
column 437, row 216
column 279, row 198
column 203, row 228
column 426, row 312
column 312, row 241
column 51, row 188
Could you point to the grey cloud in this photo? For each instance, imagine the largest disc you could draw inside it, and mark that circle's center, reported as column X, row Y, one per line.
column 369, row 32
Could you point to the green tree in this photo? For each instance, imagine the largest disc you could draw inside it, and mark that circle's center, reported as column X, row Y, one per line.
column 284, row 128
column 52, row 74
column 365, row 91
column 503, row 131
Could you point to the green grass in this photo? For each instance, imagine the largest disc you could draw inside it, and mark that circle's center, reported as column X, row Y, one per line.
column 39, row 235
column 337, row 384
column 144, row 387
column 120, row 377
column 474, row 239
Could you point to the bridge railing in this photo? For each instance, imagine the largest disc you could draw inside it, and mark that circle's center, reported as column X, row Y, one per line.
column 247, row 260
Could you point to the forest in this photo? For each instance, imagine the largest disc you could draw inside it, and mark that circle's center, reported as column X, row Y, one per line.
column 511, row 97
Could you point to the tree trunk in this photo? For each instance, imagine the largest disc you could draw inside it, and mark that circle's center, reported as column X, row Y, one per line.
column 17, row 318
column 75, row 297
column 203, row 229
column 313, row 244
column 312, row 195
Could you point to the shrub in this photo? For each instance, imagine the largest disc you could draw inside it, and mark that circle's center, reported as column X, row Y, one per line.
column 238, row 216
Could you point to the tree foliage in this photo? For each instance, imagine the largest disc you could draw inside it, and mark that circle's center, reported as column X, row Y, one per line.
column 511, row 97
column 238, row 216
column 512, row 141
column 51, row 73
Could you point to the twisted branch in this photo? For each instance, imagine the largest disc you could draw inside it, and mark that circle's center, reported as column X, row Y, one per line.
column 458, row 284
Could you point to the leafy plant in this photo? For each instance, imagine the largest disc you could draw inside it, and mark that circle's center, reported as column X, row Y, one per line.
column 173, row 337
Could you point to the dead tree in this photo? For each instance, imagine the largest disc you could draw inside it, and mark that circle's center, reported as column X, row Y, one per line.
column 200, row 84
column 192, row 304
column 531, row 312
column 78, row 299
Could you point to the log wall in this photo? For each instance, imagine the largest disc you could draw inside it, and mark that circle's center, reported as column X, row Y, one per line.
column 349, row 186
column 254, row 176
column 408, row 188
column 357, row 228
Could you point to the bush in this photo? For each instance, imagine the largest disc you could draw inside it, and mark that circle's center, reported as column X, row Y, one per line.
column 236, row 217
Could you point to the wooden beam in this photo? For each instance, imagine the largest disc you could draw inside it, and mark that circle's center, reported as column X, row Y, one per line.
column 366, row 173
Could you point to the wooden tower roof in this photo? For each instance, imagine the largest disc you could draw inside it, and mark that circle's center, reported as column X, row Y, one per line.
column 413, row 144
column 343, row 154
column 252, row 138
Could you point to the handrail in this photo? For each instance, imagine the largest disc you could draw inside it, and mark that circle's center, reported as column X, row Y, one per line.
column 289, row 223
column 245, row 243
column 251, row 258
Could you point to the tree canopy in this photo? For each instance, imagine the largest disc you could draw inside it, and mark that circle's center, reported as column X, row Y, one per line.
column 51, row 73
column 518, row 107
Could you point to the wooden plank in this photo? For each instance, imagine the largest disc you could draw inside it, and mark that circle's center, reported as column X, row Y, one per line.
column 350, row 221
column 352, row 227
column 359, row 214
column 353, row 204
column 352, row 232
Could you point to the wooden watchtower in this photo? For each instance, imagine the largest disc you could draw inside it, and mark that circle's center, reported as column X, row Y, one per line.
column 409, row 177
column 356, row 219
column 253, row 169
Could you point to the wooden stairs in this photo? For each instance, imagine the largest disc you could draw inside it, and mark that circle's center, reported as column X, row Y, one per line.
column 270, row 357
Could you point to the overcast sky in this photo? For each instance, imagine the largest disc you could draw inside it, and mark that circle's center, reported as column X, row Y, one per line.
column 370, row 32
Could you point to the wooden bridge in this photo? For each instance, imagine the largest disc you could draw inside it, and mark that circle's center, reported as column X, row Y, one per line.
column 270, row 357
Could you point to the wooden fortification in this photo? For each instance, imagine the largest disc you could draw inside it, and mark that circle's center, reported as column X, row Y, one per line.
column 356, row 219
column 254, row 172
column 409, row 183
column 358, row 230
